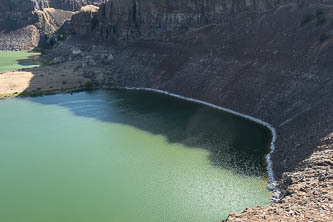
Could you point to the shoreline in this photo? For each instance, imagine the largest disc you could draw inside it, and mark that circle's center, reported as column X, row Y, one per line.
column 270, row 173
column 287, row 193
column 272, row 186
column 47, row 79
column 272, row 182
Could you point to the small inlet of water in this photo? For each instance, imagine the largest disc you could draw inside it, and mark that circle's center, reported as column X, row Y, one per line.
column 13, row 60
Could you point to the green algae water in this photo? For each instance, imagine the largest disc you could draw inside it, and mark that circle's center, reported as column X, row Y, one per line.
column 13, row 60
column 123, row 156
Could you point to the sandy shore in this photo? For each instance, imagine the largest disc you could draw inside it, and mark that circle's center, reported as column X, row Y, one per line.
column 55, row 78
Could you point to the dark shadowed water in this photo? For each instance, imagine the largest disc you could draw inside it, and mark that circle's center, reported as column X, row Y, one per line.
column 110, row 156
column 13, row 60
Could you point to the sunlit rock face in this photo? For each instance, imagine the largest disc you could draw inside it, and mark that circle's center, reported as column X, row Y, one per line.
column 24, row 23
column 30, row 5
column 68, row 5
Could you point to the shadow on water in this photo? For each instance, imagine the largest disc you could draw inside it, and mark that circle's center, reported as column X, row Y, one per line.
column 234, row 143
column 33, row 60
column 14, row 60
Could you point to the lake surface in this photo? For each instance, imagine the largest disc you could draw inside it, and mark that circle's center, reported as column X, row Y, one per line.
column 110, row 156
column 13, row 60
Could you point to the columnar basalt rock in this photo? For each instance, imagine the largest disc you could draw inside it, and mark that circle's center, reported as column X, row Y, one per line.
column 82, row 22
column 132, row 19
column 147, row 19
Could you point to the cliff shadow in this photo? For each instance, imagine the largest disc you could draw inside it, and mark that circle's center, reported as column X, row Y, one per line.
column 33, row 60
column 234, row 143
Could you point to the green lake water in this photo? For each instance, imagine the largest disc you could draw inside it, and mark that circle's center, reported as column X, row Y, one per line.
column 123, row 156
column 13, row 60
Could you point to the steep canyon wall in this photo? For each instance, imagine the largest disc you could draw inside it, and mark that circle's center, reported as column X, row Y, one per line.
column 270, row 59
column 132, row 19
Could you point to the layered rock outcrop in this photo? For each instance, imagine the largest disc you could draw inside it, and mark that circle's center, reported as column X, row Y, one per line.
column 146, row 19
column 83, row 21
column 28, row 31
column 133, row 19
column 25, row 24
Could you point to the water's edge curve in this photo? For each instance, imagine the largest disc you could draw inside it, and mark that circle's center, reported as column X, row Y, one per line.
column 272, row 182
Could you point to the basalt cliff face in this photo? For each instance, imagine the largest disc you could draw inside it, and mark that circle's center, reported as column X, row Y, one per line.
column 25, row 24
column 129, row 19
column 146, row 19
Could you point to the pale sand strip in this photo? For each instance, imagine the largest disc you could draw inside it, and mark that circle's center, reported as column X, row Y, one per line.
column 14, row 82
column 47, row 78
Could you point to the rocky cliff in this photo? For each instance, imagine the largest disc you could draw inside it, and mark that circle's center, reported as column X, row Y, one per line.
column 68, row 5
column 25, row 24
column 146, row 19
column 269, row 59
column 31, row 5
column 129, row 19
